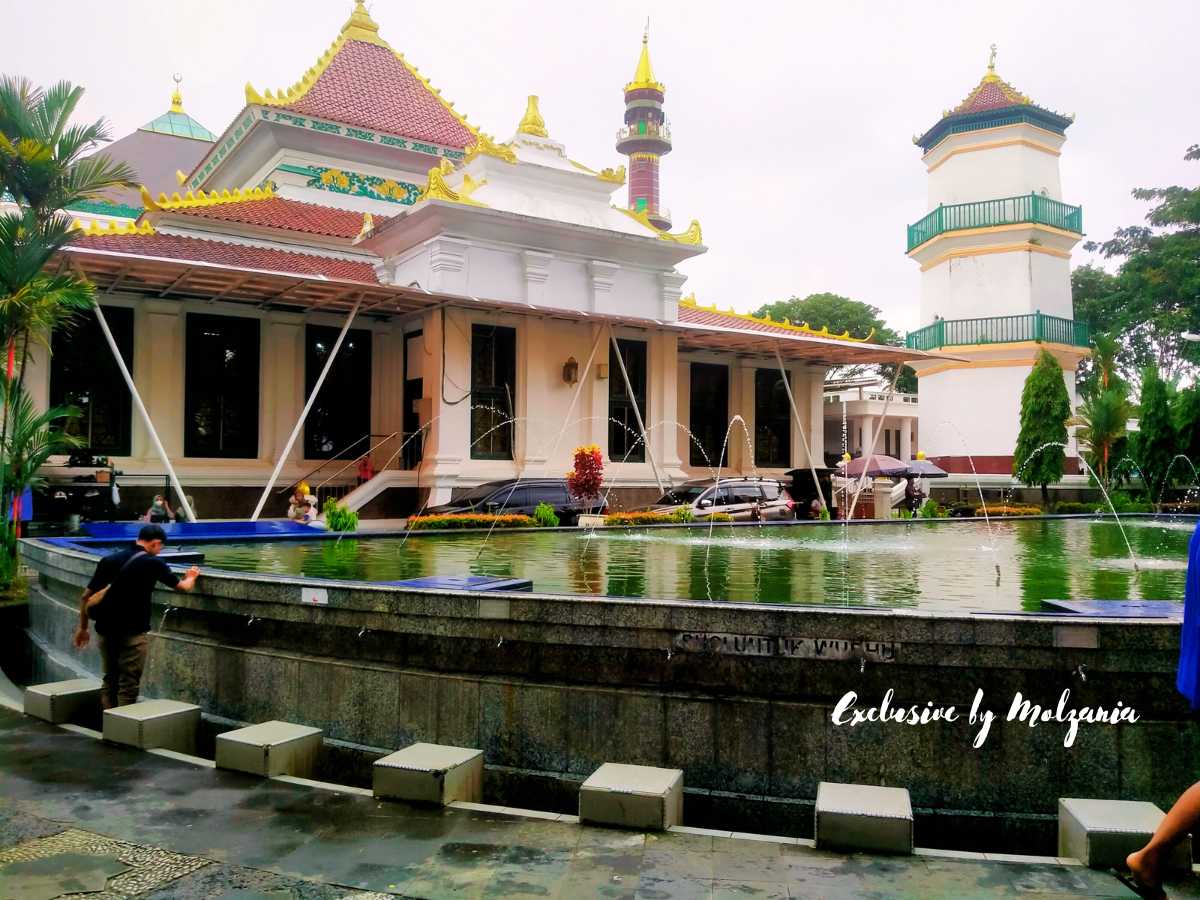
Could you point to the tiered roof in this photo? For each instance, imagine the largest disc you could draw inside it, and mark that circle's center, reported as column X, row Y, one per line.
column 991, row 103
column 361, row 81
column 260, row 208
column 238, row 256
column 177, row 123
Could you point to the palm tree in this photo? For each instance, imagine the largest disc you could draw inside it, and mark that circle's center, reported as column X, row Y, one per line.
column 44, row 167
column 32, row 438
column 1102, row 419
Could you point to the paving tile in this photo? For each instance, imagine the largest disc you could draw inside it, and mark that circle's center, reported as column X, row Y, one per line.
column 662, row 886
column 742, row 890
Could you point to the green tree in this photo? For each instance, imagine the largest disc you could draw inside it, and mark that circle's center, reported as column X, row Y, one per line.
column 44, row 166
column 841, row 315
column 1045, row 408
column 1186, row 413
column 1157, row 290
column 1102, row 418
column 1153, row 447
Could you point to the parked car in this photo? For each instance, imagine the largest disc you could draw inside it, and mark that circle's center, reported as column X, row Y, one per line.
column 519, row 496
column 745, row 499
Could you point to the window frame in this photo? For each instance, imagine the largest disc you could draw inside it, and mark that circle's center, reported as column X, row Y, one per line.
column 637, row 365
column 85, row 334
column 501, row 440
column 338, row 372
column 769, row 451
column 702, row 433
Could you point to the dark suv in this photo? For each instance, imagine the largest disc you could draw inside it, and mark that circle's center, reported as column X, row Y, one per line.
column 519, row 496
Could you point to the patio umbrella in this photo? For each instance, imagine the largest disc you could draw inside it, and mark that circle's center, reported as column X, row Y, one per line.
column 876, row 465
column 923, row 468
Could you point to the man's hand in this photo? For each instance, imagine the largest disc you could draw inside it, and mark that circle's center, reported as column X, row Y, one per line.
column 82, row 637
column 188, row 581
column 193, row 572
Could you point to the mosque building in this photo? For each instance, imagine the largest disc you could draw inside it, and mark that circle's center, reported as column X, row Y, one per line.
column 470, row 309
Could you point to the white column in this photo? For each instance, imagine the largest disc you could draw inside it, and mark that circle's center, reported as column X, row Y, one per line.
column 664, row 403
column 447, row 440
column 161, row 381
column 868, row 435
column 448, row 265
column 533, row 388
column 906, row 453
column 602, row 275
column 283, row 384
column 672, row 289
column 741, row 457
column 537, row 274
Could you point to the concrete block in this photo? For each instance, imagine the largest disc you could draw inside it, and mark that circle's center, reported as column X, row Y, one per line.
column 863, row 817
column 62, row 701
column 270, row 748
column 430, row 773
column 632, row 797
column 1101, row 833
column 168, row 724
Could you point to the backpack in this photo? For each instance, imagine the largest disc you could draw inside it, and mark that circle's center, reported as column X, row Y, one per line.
column 94, row 608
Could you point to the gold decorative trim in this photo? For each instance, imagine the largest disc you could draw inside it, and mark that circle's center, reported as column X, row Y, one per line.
column 616, row 176
column 802, row 328
column 992, row 145
column 691, row 236
column 532, row 122
column 192, row 200
column 108, row 229
column 359, row 27
column 1022, row 247
column 437, row 189
column 487, row 146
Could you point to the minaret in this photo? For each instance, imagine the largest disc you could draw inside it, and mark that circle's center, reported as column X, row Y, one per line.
column 995, row 257
column 645, row 138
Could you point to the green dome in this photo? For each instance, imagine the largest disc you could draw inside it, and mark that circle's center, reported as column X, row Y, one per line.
column 179, row 124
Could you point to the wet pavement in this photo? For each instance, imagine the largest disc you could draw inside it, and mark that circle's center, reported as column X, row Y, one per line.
column 78, row 815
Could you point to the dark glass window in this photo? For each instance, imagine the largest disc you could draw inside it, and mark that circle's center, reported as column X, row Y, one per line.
column 493, row 391
column 83, row 373
column 624, row 436
column 772, row 420
column 339, row 422
column 708, row 414
column 221, row 387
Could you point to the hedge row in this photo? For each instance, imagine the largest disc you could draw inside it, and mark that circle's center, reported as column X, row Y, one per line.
column 634, row 519
column 469, row 520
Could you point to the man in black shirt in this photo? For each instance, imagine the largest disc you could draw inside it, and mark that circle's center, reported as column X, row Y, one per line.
column 123, row 617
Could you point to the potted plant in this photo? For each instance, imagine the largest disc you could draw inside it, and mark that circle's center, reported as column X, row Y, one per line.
column 585, row 481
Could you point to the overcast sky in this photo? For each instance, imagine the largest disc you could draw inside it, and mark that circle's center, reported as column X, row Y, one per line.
column 792, row 123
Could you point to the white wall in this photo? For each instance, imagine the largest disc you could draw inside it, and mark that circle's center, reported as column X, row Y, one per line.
column 996, row 284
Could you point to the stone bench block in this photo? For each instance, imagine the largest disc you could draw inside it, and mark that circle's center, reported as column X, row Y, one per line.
column 270, row 748
column 430, row 773
column 62, row 701
column 864, row 817
column 1101, row 833
column 152, row 724
column 632, row 797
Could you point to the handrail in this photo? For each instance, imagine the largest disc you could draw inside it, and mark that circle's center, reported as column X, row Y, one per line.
column 324, row 463
column 355, row 460
column 1035, row 326
column 1030, row 207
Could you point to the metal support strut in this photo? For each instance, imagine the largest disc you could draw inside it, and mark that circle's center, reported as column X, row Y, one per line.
column 262, row 501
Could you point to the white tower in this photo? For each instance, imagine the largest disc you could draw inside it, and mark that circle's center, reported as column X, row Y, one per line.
column 995, row 258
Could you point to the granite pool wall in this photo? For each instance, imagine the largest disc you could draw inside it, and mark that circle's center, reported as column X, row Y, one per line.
column 739, row 696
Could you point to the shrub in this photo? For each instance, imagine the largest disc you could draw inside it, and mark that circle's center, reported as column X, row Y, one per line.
column 1074, row 507
column 544, row 516
column 930, row 509
column 683, row 515
column 1010, row 509
column 587, row 477
column 469, row 520
column 904, row 513
column 338, row 517
column 824, row 515
column 637, row 519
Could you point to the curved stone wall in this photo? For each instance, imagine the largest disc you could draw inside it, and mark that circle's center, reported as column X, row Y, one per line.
column 739, row 696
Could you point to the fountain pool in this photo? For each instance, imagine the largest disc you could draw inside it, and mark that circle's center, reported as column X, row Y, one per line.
column 940, row 564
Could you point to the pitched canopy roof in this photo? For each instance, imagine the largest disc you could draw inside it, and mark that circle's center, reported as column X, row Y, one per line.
column 361, row 81
column 177, row 123
column 278, row 213
column 992, row 102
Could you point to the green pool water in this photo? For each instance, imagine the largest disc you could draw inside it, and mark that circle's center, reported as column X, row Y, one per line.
column 947, row 565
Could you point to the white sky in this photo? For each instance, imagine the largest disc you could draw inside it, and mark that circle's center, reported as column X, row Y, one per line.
column 792, row 122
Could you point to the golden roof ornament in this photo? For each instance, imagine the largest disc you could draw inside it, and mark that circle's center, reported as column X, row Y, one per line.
column 177, row 95
column 486, row 146
column 360, row 26
column 643, row 78
column 991, row 72
column 532, row 122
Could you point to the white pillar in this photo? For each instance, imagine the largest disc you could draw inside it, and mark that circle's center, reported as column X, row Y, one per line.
column 906, row 453
column 161, row 381
column 283, row 385
column 868, row 435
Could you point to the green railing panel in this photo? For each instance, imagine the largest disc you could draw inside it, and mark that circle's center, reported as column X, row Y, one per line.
column 999, row 330
column 1004, row 211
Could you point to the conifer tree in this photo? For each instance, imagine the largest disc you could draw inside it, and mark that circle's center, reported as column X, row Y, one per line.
column 1045, row 408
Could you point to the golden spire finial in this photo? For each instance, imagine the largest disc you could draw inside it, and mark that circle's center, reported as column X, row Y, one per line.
column 360, row 26
column 532, row 122
column 643, row 78
column 991, row 72
column 176, row 96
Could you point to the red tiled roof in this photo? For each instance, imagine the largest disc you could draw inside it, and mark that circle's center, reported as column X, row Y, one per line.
column 284, row 214
column 989, row 95
column 173, row 246
column 367, row 86
column 694, row 315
